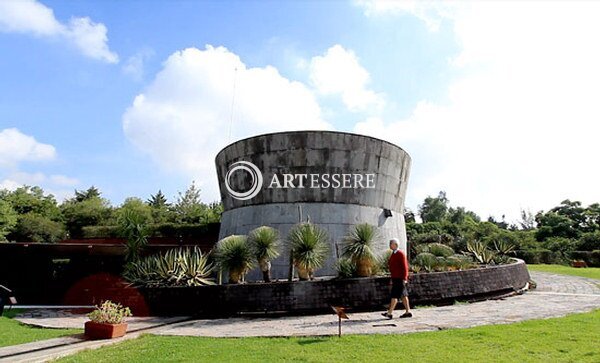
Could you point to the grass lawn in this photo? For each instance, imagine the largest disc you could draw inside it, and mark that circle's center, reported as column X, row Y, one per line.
column 590, row 272
column 572, row 338
column 12, row 332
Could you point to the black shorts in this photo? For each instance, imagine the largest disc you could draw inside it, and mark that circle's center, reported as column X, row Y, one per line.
column 398, row 289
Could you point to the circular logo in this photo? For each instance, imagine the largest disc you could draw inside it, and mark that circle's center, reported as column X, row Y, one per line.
column 256, row 175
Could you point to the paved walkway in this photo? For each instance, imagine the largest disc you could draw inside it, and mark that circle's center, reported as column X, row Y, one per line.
column 555, row 296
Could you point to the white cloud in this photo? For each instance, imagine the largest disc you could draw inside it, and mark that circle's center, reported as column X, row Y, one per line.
column 134, row 66
column 183, row 118
column 339, row 72
column 16, row 147
column 520, row 128
column 32, row 17
column 432, row 13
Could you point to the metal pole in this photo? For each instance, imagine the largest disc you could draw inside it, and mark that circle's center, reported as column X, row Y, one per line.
column 339, row 326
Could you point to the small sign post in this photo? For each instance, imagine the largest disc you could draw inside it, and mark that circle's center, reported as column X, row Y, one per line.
column 341, row 313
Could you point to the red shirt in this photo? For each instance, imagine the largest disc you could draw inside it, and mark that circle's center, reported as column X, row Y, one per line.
column 398, row 265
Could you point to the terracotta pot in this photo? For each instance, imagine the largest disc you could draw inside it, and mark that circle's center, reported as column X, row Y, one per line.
column 363, row 267
column 104, row 330
column 235, row 276
column 304, row 274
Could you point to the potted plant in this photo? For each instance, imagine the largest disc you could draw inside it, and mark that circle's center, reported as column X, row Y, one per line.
column 233, row 254
column 264, row 242
column 106, row 321
column 309, row 249
column 358, row 248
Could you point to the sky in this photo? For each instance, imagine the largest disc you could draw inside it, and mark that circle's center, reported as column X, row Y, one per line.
column 498, row 103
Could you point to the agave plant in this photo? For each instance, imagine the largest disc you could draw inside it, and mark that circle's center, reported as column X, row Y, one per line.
column 176, row 267
column 264, row 243
column 233, row 254
column 481, row 252
column 309, row 248
column 358, row 246
column 503, row 247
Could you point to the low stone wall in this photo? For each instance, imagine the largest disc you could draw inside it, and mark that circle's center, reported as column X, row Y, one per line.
column 318, row 296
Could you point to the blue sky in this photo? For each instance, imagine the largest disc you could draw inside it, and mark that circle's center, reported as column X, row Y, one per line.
column 479, row 94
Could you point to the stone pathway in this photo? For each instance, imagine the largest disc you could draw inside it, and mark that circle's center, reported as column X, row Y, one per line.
column 555, row 296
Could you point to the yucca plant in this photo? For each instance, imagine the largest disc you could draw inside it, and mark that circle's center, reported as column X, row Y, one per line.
column 264, row 243
column 309, row 248
column 175, row 267
column 358, row 246
column 134, row 228
column 233, row 254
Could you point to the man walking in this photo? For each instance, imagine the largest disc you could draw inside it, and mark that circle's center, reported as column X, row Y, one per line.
column 399, row 278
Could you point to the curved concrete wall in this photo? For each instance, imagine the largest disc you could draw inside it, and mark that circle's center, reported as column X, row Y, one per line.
column 377, row 179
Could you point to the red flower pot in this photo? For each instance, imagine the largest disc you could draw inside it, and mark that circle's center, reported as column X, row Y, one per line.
column 104, row 330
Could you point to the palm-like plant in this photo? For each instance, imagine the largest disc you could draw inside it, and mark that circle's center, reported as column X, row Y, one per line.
column 233, row 254
column 358, row 246
column 264, row 243
column 309, row 248
column 134, row 228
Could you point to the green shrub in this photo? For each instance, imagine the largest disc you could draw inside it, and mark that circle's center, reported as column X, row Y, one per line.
column 345, row 268
column 101, row 232
column 540, row 256
column 459, row 262
column 589, row 242
column 109, row 313
column 382, row 267
column 591, row 258
column 33, row 227
column 426, row 261
column 440, row 250
column 175, row 267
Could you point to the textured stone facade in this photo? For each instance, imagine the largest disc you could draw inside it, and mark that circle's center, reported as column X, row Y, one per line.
column 334, row 209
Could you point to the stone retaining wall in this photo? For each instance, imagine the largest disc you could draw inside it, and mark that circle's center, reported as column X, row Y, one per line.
column 317, row 296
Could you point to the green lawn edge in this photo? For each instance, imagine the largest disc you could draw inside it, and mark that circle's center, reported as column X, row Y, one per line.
column 12, row 332
column 572, row 338
column 589, row 272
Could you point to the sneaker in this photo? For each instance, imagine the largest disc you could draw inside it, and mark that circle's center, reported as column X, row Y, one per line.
column 387, row 315
column 406, row 315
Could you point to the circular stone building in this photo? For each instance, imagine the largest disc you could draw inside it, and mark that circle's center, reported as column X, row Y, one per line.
column 333, row 179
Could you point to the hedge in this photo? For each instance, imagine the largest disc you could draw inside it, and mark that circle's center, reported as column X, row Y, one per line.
column 156, row 230
column 540, row 256
column 591, row 258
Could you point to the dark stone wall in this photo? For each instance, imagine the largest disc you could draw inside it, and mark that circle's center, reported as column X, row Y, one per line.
column 317, row 296
column 318, row 152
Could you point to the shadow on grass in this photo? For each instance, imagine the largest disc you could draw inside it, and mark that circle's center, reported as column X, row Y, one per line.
column 312, row 341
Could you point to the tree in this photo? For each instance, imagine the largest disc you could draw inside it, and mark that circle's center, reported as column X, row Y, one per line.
column 27, row 199
column 161, row 211
column 189, row 208
column 135, row 205
column 8, row 219
column 33, row 227
column 409, row 216
column 460, row 215
column 434, row 209
column 527, row 221
column 90, row 193
column 92, row 211
column 157, row 200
